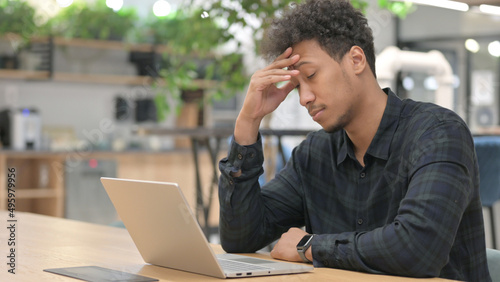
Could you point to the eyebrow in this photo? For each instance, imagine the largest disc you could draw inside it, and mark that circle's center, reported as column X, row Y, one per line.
column 298, row 65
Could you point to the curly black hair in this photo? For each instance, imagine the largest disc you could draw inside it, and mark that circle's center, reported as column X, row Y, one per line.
column 335, row 24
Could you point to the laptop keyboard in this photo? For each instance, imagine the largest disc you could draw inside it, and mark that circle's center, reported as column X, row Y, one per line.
column 236, row 266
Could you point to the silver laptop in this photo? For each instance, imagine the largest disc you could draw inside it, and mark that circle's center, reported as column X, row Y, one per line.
column 167, row 234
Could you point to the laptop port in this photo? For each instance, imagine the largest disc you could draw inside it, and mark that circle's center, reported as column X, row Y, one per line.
column 238, row 274
column 249, row 273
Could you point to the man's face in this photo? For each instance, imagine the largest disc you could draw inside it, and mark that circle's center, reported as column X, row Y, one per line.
column 325, row 86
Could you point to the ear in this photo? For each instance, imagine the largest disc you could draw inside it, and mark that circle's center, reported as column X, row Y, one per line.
column 357, row 59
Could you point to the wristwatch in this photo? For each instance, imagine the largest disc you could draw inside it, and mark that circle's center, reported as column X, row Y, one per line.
column 303, row 245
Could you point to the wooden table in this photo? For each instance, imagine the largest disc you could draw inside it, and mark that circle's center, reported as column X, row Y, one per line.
column 44, row 242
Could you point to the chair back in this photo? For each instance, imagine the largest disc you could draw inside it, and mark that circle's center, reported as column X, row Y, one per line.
column 488, row 156
column 493, row 258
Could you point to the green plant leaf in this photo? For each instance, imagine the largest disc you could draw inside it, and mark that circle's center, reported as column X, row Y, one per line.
column 93, row 21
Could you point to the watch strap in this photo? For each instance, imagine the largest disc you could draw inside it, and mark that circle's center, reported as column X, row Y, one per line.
column 302, row 255
column 303, row 249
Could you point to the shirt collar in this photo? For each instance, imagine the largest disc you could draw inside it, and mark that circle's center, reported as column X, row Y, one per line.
column 381, row 143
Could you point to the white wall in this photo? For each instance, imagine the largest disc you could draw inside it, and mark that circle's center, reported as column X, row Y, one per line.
column 81, row 107
column 383, row 26
column 432, row 22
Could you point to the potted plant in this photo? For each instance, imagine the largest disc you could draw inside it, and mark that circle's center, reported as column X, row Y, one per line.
column 191, row 60
column 400, row 9
column 18, row 23
column 93, row 21
column 18, row 17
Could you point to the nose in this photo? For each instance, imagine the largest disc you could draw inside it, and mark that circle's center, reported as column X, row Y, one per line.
column 306, row 95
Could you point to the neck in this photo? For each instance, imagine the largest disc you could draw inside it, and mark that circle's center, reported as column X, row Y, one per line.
column 363, row 127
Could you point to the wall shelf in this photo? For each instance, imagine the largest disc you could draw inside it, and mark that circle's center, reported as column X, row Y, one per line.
column 102, row 78
column 24, row 74
column 90, row 78
column 112, row 79
column 37, row 193
column 106, row 44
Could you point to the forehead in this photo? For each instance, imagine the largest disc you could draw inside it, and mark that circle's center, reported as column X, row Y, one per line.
column 306, row 45
column 310, row 52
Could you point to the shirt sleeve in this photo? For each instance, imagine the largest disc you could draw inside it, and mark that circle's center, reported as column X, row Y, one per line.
column 250, row 219
column 418, row 242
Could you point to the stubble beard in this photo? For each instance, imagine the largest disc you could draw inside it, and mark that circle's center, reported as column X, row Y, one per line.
column 340, row 123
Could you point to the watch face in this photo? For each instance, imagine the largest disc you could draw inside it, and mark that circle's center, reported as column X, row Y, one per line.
column 304, row 240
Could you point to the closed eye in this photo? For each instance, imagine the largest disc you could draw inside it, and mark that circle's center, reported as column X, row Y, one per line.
column 308, row 77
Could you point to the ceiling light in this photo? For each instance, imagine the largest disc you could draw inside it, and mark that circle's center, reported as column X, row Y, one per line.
column 454, row 5
column 161, row 8
column 116, row 5
column 456, row 81
column 408, row 83
column 494, row 48
column 430, row 83
column 472, row 45
column 489, row 9
column 64, row 3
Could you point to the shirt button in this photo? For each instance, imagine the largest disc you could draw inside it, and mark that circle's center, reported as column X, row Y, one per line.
column 362, row 175
column 252, row 155
column 240, row 156
column 231, row 182
column 360, row 221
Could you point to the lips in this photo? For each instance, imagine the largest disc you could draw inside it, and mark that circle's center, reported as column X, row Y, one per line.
column 315, row 113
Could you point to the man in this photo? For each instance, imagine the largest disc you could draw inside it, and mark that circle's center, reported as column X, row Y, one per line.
column 388, row 186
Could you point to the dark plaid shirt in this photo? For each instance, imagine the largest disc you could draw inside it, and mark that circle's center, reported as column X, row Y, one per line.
column 412, row 210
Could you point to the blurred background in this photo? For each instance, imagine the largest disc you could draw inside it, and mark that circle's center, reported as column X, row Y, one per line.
column 150, row 89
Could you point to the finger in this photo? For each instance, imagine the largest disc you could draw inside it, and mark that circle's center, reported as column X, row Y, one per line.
column 275, row 72
column 273, row 76
column 287, row 88
column 270, row 80
column 284, row 63
column 284, row 55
